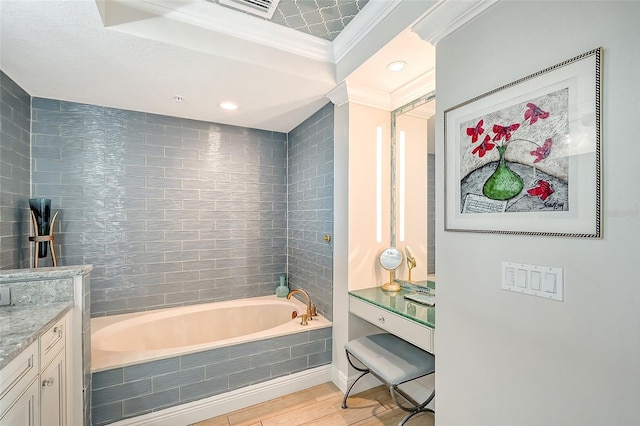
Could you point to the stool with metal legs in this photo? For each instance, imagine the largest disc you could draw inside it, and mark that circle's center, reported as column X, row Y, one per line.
column 393, row 361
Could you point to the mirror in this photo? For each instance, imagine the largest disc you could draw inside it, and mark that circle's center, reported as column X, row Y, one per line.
column 391, row 259
column 413, row 185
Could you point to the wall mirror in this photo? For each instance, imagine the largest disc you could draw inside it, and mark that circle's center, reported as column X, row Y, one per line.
column 413, row 185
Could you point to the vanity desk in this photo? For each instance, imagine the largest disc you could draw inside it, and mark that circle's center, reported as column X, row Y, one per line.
column 390, row 311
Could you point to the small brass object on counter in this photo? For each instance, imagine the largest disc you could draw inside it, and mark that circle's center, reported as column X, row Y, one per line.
column 304, row 320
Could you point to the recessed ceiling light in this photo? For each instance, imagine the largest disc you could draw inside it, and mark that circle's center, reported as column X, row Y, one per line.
column 396, row 66
column 228, row 105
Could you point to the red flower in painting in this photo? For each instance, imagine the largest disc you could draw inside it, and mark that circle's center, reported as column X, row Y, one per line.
column 543, row 190
column 542, row 152
column 485, row 146
column 504, row 132
column 504, row 135
column 533, row 113
column 475, row 132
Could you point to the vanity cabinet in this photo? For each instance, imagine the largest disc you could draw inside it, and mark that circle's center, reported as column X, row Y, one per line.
column 391, row 312
column 24, row 411
column 52, row 375
column 19, row 389
column 33, row 387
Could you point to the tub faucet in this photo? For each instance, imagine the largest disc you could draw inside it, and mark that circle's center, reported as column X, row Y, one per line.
column 310, row 310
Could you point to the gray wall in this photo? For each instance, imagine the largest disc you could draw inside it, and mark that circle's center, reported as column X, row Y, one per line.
column 310, row 211
column 15, row 225
column 506, row 358
column 169, row 211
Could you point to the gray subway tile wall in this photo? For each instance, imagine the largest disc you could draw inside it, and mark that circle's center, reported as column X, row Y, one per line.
column 169, row 211
column 310, row 210
column 139, row 389
column 15, row 157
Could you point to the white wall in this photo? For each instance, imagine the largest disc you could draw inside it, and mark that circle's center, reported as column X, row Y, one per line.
column 356, row 251
column 511, row 359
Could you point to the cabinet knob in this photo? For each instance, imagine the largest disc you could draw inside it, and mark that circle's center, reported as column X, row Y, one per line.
column 48, row 382
column 381, row 320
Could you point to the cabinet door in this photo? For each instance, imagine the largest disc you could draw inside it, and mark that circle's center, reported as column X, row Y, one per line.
column 25, row 411
column 52, row 392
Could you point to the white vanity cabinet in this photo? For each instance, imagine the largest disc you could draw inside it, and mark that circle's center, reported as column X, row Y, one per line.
column 19, row 389
column 33, row 387
column 52, row 375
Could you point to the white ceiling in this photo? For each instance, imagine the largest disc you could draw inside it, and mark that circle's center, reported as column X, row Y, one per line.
column 140, row 54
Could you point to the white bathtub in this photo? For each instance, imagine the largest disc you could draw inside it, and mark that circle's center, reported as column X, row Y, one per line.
column 121, row 340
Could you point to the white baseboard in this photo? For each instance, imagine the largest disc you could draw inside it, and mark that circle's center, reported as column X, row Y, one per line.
column 218, row 405
column 340, row 380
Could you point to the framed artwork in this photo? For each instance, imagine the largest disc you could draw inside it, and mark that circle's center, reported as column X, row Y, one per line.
column 525, row 158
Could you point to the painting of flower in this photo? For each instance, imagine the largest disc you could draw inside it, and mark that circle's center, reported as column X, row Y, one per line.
column 525, row 158
column 509, row 153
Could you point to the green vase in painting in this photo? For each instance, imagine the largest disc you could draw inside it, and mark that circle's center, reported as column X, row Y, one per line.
column 504, row 183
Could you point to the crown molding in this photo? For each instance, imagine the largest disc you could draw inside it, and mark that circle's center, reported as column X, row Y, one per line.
column 447, row 16
column 411, row 91
column 220, row 19
column 361, row 25
column 339, row 95
column 348, row 93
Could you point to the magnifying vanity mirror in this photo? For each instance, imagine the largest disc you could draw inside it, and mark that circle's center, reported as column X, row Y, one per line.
column 413, row 186
column 391, row 259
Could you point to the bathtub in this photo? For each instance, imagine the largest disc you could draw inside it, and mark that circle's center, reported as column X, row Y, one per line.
column 203, row 360
column 122, row 340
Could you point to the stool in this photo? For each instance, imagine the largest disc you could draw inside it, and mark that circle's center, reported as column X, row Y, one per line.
column 393, row 361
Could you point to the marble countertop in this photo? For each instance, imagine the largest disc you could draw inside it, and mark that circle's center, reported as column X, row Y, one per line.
column 22, row 325
column 10, row 275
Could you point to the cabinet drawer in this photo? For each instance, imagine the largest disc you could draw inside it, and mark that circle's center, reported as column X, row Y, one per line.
column 52, row 341
column 411, row 331
column 15, row 377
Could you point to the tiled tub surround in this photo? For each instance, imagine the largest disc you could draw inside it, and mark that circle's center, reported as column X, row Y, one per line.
column 310, row 208
column 15, row 185
column 170, row 211
column 148, row 387
column 40, row 297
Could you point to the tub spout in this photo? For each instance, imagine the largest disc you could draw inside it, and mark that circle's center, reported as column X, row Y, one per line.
column 308, row 301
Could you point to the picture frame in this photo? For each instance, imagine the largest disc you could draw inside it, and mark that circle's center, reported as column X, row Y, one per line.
column 525, row 158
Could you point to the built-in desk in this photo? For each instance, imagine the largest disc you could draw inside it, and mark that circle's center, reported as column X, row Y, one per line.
column 411, row 321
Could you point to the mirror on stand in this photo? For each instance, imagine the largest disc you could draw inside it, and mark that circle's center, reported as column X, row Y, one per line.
column 391, row 259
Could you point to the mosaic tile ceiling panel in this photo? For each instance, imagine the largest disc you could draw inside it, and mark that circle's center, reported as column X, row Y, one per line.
column 321, row 18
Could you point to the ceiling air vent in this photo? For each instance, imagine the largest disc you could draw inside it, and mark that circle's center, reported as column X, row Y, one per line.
column 263, row 8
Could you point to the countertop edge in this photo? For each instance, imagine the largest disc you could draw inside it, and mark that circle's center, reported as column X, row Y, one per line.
column 17, row 350
column 11, row 275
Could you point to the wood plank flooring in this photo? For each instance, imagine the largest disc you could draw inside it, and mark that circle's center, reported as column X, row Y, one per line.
column 322, row 406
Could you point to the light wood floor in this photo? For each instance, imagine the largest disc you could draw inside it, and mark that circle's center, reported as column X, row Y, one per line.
column 321, row 405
